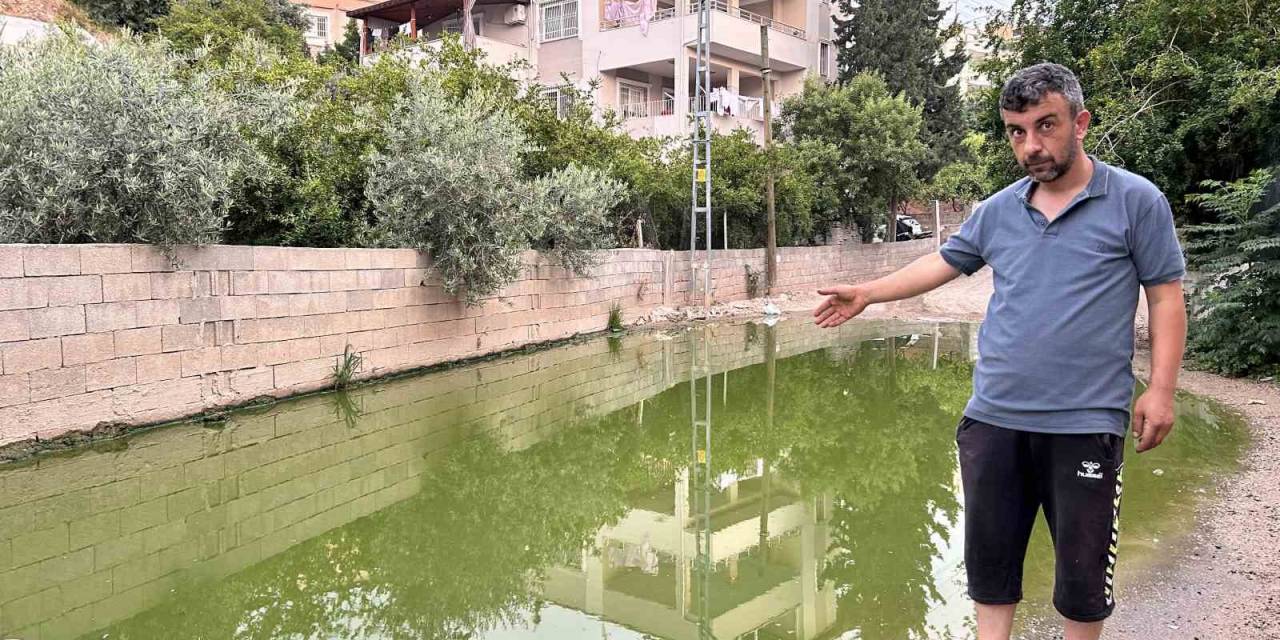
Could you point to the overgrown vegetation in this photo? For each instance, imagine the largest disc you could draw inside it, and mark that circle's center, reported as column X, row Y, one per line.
column 1237, row 326
column 346, row 368
column 615, row 318
column 104, row 143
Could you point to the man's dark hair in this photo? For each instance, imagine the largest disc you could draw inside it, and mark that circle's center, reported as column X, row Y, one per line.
column 1029, row 85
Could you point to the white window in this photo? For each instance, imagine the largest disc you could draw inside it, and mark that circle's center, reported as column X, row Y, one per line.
column 824, row 59
column 559, row 19
column 454, row 24
column 560, row 99
column 633, row 99
column 317, row 26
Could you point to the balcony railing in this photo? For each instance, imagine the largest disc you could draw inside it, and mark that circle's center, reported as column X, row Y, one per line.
column 723, row 7
column 664, row 13
column 631, row 110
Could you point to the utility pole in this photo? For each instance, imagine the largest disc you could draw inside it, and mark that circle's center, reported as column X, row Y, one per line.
column 771, row 237
column 700, row 141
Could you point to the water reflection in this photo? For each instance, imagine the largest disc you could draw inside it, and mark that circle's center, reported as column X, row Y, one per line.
column 725, row 482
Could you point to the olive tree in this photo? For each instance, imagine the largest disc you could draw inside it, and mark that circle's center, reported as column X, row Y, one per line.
column 104, row 143
column 450, row 182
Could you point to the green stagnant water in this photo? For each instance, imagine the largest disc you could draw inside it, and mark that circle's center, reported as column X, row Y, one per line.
column 575, row 492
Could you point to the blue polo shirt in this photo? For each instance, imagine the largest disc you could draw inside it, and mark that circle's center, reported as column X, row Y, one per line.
column 1055, row 352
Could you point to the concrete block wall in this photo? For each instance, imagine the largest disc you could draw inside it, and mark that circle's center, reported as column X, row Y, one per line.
column 91, row 539
column 116, row 334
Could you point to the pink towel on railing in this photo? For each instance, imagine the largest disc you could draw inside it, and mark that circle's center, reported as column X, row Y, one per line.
column 626, row 12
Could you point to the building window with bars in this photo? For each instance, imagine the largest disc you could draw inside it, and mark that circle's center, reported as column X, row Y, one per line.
column 454, row 24
column 824, row 59
column 633, row 99
column 317, row 26
column 560, row 99
column 559, row 20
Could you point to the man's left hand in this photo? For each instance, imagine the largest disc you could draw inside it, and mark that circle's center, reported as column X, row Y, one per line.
column 1152, row 418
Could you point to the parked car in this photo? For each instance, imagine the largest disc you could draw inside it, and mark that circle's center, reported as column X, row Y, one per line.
column 908, row 229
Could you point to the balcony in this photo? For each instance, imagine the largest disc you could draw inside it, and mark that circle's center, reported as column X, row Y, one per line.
column 662, row 13
column 657, row 118
column 496, row 51
column 735, row 34
column 723, row 7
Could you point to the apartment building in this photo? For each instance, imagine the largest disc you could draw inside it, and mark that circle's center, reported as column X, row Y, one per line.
column 326, row 21
column 641, row 53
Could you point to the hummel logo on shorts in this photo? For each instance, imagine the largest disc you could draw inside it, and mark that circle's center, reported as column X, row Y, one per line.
column 1090, row 471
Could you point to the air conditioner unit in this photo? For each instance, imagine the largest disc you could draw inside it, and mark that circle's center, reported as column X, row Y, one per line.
column 516, row 14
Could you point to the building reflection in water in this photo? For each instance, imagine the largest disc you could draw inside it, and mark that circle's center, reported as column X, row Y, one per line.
column 717, row 553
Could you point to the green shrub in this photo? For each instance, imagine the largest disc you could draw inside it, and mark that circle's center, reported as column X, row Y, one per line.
column 615, row 319
column 218, row 25
column 137, row 15
column 451, row 185
column 1237, row 328
column 102, row 143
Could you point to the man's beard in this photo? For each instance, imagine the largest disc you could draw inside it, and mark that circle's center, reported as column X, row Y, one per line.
column 1052, row 170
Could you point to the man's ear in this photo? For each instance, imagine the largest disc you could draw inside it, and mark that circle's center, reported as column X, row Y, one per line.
column 1082, row 123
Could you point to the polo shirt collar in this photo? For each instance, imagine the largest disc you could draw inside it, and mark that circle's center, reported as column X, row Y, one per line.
column 1097, row 183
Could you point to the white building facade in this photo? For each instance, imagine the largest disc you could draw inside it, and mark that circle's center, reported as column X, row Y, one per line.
column 640, row 54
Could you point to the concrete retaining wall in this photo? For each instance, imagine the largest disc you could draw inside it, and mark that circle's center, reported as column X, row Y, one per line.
column 102, row 334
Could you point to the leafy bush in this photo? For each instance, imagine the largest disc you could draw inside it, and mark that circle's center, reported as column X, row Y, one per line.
column 314, row 125
column 220, row 24
column 134, row 14
column 1237, row 332
column 574, row 203
column 451, row 185
column 102, row 143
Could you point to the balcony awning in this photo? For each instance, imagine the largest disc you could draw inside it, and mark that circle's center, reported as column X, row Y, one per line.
column 427, row 10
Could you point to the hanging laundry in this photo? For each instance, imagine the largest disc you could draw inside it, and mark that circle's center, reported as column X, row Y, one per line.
column 628, row 12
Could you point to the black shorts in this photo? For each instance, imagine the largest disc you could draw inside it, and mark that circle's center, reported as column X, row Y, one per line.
column 1008, row 476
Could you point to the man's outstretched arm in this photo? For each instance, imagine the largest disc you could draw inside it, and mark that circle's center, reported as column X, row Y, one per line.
column 845, row 301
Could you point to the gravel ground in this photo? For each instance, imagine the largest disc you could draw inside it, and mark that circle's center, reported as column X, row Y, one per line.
column 1225, row 580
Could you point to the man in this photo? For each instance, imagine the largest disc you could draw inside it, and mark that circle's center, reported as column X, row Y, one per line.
column 1068, row 247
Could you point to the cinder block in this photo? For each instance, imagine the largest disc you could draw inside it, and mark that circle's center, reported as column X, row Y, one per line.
column 56, row 417
column 57, row 321
column 289, row 282
column 111, row 316
column 23, row 293
column 251, row 383
column 105, row 258
column 48, row 384
column 272, row 306
column 159, row 367
column 73, row 290
column 111, row 374
column 305, row 374
column 153, row 313
column 136, row 342
column 171, row 285
column 200, row 361
column 216, row 258
column 88, row 347
column 15, row 390
column 181, row 337
column 200, row 310
column 122, row 287
column 14, row 325
column 244, row 283
column 51, row 260
column 11, row 261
